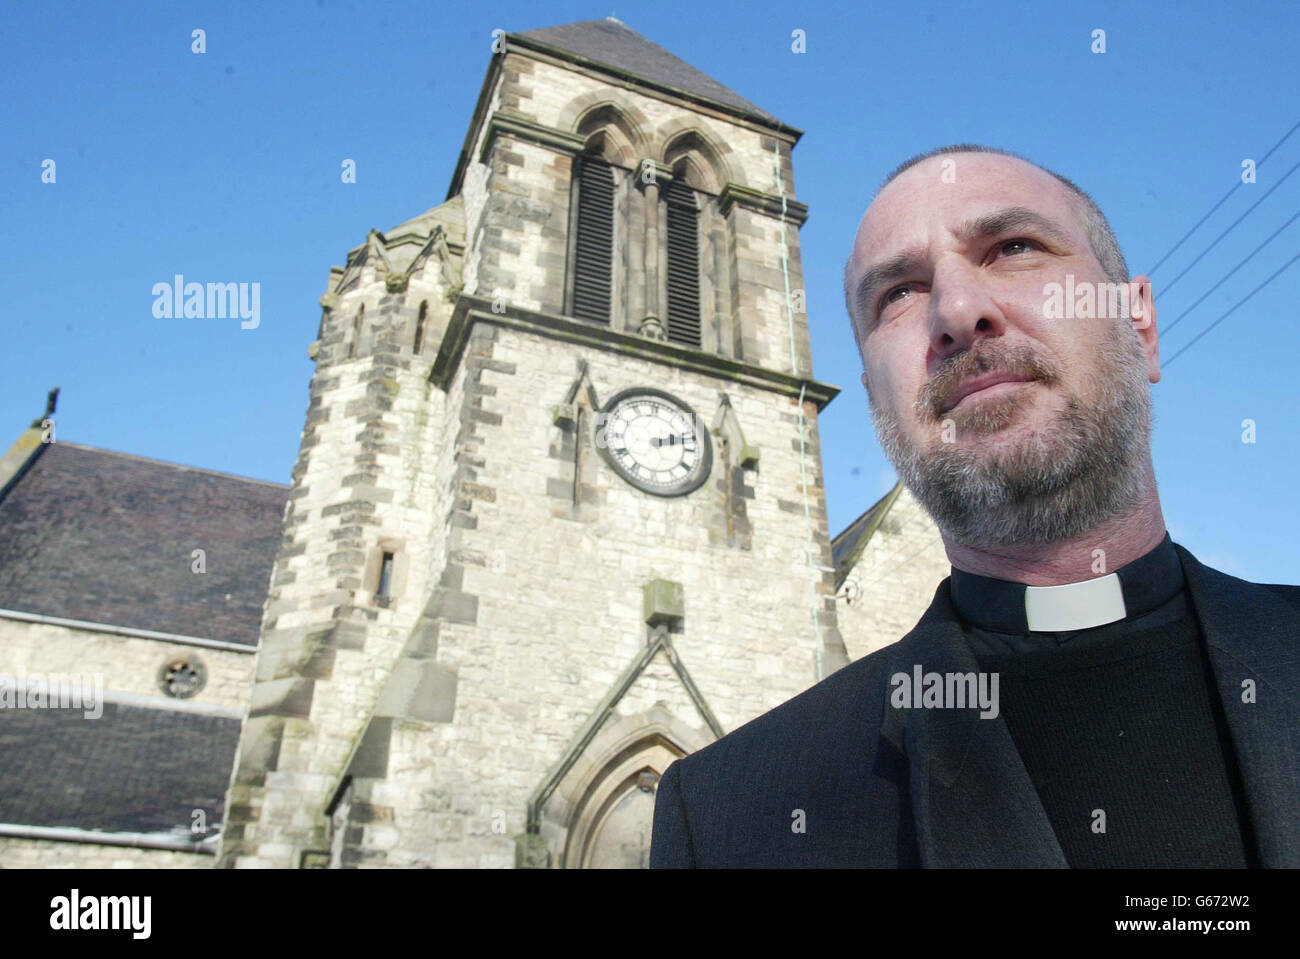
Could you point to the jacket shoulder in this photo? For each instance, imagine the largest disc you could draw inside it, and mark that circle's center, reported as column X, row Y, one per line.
column 808, row 783
column 1225, row 584
column 853, row 696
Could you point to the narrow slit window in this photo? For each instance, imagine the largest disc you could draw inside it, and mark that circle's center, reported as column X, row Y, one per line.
column 419, row 327
column 385, row 575
column 356, row 331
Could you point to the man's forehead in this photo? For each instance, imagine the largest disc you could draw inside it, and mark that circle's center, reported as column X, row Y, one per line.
column 956, row 186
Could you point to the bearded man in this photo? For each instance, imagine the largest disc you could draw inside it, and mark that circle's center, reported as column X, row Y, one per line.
column 1145, row 709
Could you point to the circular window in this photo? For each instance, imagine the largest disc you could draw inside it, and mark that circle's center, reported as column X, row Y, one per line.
column 182, row 676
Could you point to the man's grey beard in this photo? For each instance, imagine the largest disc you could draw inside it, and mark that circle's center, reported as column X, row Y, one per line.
column 1089, row 465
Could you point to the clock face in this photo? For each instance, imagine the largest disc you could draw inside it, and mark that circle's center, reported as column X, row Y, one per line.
column 655, row 442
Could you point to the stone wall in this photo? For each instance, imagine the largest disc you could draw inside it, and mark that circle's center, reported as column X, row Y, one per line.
column 412, row 730
column 363, row 485
column 894, row 580
column 517, row 207
column 546, row 611
column 128, row 664
column 47, row 854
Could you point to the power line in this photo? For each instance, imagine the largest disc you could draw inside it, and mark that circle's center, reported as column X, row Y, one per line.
column 1233, row 226
column 1221, row 202
column 1165, row 330
column 1239, row 303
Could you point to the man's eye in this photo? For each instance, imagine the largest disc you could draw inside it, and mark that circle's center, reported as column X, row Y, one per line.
column 892, row 295
column 1010, row 247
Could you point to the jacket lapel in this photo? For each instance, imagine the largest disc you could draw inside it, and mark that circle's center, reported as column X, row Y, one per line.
column 972, row 800
column 1252, row 634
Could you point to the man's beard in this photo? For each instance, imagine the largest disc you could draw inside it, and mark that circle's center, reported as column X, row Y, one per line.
column 1086, row 466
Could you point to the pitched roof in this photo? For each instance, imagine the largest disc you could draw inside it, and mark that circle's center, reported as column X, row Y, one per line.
column 106, row 537
column 610, row 43
column 847, row 547
column 131, row 770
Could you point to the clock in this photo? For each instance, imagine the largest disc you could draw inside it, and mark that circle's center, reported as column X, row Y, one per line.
column 654, row 441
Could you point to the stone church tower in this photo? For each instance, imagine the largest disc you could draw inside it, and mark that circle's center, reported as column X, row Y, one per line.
column 558, row 518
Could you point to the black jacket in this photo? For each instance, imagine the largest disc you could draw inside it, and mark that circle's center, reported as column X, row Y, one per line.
column 874, row 786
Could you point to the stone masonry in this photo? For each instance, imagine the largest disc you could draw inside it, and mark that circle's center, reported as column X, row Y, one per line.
column 552, row 637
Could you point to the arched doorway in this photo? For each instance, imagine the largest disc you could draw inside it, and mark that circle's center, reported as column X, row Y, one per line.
column 620, row 838
column 611, row 828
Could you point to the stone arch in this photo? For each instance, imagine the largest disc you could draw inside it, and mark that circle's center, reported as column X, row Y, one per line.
column 688, row 171
column 613, row 825
column 617, row 126
column 692, row 154
column 610, row 768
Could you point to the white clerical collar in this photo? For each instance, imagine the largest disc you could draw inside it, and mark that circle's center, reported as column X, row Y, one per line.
column 1057, row 609
column 1013, row 608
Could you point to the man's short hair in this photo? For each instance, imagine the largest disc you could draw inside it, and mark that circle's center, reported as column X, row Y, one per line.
column 1100, row 236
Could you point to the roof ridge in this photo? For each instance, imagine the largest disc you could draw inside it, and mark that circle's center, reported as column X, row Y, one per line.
column 581, row 39
column 863, row 515
column 862, row 529
column 178, row 466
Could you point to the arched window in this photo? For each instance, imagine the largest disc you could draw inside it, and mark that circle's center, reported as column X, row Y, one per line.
column 682, row 231
column 593, row 242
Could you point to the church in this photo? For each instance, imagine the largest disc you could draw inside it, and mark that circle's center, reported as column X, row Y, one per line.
column 557, row 520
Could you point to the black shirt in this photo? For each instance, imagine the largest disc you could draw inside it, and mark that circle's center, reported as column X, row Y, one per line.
column 1119, row 726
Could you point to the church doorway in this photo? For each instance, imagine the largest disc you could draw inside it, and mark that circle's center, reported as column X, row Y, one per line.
column 620, row 838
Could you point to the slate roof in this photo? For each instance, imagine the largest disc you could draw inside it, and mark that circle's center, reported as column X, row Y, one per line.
column 106, row 537
column 847, row 547
column 612, row 44
column 131, row 770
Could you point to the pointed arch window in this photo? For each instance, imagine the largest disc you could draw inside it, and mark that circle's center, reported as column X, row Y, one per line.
column 593, row 247
column 682, row 229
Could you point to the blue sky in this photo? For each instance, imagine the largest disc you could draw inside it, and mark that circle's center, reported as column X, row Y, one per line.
column 225, row 166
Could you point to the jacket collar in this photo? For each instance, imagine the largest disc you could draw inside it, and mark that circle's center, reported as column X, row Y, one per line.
column 972, row 799
column 1252, row 633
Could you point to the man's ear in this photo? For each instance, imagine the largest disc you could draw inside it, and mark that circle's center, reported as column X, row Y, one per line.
column 865, row 385
column 1142, row 309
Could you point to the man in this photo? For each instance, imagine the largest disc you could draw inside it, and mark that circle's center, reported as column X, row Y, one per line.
column 1081, row 691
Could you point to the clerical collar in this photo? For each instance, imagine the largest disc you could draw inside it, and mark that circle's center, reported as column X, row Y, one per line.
column 1132, row 590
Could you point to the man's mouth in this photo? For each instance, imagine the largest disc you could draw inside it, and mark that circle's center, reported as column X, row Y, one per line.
column 982, row 383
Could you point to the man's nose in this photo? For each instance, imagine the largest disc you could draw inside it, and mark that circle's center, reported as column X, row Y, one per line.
column 961, row 308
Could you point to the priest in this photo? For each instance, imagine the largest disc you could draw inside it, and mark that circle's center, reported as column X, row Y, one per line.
column 1148, row 709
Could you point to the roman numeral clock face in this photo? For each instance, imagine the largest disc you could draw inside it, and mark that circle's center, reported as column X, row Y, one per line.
column 655, row 442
